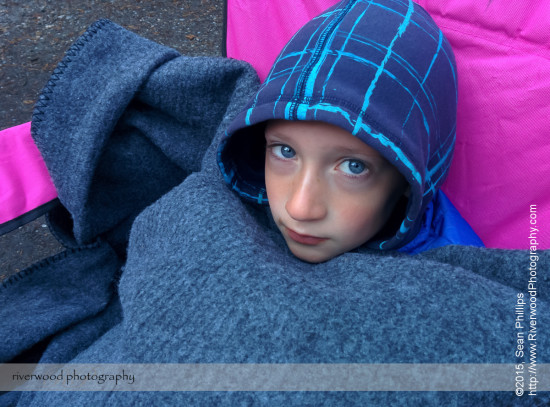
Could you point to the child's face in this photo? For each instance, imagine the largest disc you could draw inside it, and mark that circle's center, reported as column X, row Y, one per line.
column 328, row 191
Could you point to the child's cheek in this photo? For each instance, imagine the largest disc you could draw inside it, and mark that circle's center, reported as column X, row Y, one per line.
column 358, row 187
column 362, row 212
column 276, row 167
column 278, row 180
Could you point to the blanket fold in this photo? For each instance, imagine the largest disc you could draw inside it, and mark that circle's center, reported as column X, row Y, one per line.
column 123, row 120
column 56, row 293
column 208, row 277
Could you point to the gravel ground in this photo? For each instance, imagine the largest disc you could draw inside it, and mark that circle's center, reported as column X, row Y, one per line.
column 34, row 36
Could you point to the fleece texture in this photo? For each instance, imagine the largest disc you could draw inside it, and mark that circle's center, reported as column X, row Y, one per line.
column 162, row 109
column 208, row 277
column 384, row 72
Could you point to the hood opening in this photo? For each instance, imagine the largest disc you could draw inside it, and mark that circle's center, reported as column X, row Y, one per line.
column 243, row 159
column 392, row 225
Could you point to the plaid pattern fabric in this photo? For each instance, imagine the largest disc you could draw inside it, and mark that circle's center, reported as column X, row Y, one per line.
column 381, row 70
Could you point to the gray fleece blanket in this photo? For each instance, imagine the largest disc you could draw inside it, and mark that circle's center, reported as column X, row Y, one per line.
column 130, row 128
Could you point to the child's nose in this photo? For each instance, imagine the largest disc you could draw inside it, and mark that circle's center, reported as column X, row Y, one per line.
column 307, row 200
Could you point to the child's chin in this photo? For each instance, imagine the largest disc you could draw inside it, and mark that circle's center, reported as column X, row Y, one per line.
column 311, row 255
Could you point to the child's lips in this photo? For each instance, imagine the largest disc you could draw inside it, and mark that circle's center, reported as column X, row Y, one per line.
column 304, row 239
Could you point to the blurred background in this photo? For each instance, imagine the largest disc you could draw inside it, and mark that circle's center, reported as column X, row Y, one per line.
column 34, row 36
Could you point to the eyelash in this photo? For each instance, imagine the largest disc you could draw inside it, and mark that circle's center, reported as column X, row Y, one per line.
column 279, row 155
column 275, row 150
column 366, row 170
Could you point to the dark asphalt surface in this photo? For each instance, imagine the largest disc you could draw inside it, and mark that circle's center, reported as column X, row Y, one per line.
column 34, row 36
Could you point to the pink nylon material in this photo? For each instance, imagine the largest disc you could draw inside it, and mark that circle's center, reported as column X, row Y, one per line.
column 25, row 183
column 258, row 30
column 502, row 158
column 502, row 155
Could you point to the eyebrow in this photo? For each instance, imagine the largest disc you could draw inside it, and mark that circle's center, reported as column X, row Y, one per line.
column 270, row 132
column 346, row 150
column 341, row 150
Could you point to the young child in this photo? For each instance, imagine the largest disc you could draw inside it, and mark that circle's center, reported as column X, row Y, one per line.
column 325, row 183
column 361, row 113
column 348, row 140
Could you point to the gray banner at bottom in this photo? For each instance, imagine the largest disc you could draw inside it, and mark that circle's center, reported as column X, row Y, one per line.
column 273, row 377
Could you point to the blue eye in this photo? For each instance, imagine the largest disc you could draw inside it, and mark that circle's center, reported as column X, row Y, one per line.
column 285, row 151
column 353, row 167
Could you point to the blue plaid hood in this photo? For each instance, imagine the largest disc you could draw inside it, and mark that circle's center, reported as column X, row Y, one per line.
column 383, row 71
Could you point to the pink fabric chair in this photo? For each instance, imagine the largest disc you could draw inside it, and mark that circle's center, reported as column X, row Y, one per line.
column 500, row 177
column 25, row 185
column 501, row 166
